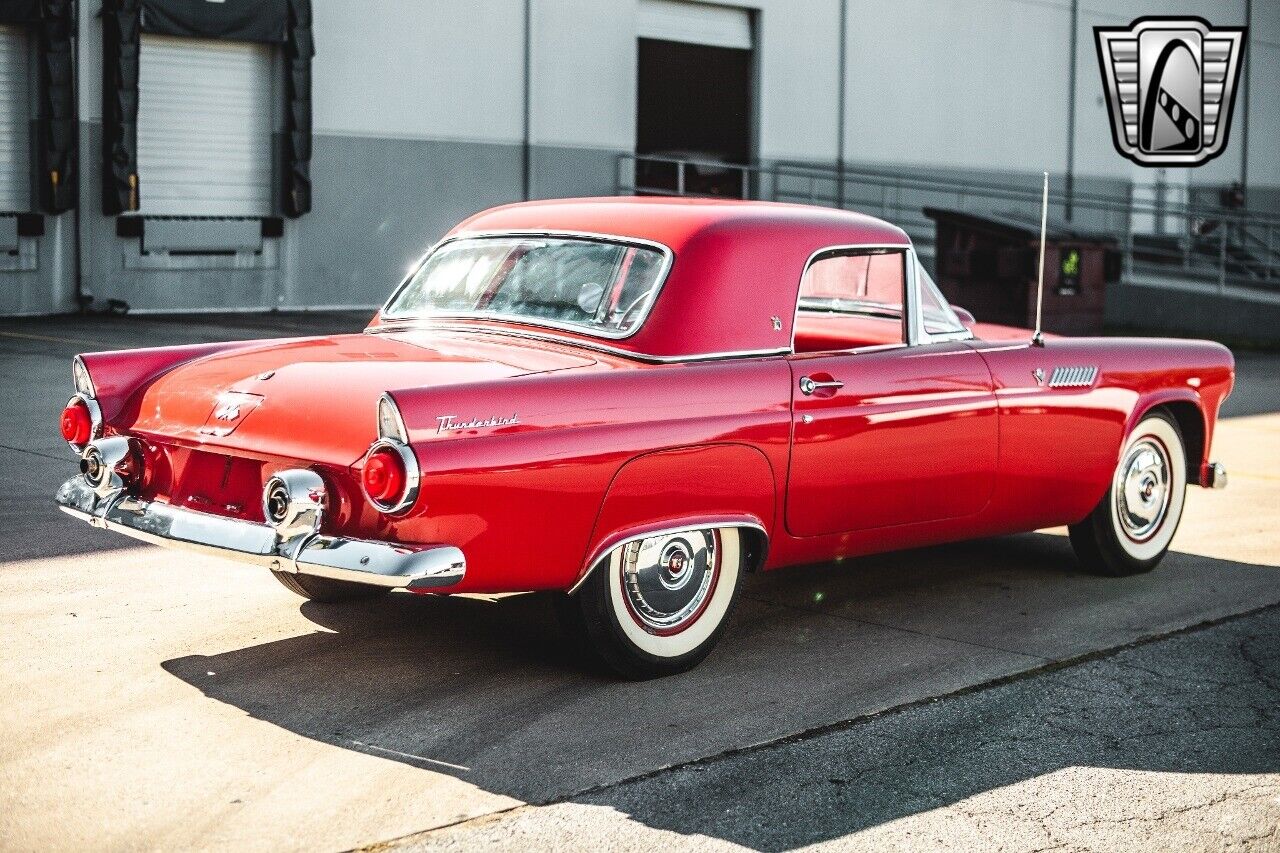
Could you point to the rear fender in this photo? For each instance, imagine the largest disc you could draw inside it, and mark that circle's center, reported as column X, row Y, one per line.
column 118, row 374
column 724, row 485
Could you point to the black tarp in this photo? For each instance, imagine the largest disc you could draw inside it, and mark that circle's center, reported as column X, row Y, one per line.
column 19, row 11
column 296, row 154
column 52, row 22
column 284, row 22
column 56, row 123
column 233, row 20
column 120, row 36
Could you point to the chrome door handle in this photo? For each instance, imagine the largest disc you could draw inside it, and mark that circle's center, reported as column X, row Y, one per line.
column 808, row 386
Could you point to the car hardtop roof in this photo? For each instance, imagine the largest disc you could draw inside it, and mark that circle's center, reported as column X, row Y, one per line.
column 674, row 222
column 732, row 288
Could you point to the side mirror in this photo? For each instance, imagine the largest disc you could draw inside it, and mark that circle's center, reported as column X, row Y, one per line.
column 965, row 316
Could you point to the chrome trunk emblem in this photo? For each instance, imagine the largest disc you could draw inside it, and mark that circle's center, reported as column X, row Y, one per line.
column 230, row 410
column 227, row 411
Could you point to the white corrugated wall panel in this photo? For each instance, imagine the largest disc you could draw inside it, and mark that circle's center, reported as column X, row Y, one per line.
column 204, row 127
column 695, row 23
column 15, row 127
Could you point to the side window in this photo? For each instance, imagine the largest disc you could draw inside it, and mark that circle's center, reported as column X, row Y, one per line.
column 852, row 300
column 938, row 317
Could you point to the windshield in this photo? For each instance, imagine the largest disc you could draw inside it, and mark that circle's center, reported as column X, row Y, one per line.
column 601, row 287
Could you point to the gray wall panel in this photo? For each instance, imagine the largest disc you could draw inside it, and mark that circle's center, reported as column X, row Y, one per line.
column 379, row 204
column 568, row 172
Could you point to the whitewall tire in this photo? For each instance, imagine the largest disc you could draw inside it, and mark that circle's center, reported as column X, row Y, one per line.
column 657, row 606
column 1131, row 528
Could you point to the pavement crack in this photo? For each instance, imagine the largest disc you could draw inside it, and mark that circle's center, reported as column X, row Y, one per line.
column 916, row 632
column 39, row 453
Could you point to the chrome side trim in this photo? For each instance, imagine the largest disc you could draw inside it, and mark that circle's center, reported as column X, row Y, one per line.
column 599, row 554
column 588, row 345
column 668, row 260
column 412, row 475
column 1073, row 377
column 384, row 564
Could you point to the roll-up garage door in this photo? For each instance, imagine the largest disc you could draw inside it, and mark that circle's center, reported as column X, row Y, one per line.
column 204, row 127
column 15, row 127
column 695, row 23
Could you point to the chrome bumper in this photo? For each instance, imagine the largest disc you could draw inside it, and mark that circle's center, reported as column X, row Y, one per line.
column 1214, row 476
column 376, row 563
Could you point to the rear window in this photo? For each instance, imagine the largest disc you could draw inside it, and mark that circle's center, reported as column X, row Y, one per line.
column 597, row 286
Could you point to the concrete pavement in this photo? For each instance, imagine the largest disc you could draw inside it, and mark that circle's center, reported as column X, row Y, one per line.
column 161, row 700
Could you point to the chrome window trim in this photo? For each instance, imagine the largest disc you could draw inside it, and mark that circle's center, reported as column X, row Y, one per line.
column 668, row 260
column 412, row 476
column 588, row 345
column 915, row 333
column 922, row 336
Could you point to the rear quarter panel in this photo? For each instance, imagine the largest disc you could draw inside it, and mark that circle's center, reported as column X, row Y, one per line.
column 526, row 502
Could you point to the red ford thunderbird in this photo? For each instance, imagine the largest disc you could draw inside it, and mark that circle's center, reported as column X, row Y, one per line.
column 633, row 402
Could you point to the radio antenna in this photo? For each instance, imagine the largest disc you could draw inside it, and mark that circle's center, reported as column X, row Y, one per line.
column 1037, row 339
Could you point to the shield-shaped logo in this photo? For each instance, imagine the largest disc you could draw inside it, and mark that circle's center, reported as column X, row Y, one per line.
column 1171, row 83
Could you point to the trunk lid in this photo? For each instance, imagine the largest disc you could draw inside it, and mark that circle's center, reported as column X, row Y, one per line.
column 314, row 398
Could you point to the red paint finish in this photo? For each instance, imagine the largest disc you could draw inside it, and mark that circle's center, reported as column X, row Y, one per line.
column 882, row 450
column 539, row 449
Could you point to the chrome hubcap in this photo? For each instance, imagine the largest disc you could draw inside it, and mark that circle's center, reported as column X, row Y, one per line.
column 1142, row 489
column 667, row 580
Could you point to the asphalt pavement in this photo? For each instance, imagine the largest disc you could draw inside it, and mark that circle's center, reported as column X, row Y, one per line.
column 986, row 694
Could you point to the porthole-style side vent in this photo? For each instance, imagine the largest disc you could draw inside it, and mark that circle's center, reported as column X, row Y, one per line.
column 1073, row 377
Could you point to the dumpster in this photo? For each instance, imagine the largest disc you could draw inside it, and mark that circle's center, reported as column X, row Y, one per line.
column 988, row 264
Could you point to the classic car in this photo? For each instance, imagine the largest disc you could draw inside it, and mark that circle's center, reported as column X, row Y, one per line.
column 631, row 402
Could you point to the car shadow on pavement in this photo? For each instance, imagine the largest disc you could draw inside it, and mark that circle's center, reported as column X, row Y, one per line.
column 491, row 693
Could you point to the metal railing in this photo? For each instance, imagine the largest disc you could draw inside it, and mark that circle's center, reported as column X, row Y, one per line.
column 1193, row 242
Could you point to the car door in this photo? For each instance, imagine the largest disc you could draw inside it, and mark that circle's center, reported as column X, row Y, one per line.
column 887, row 432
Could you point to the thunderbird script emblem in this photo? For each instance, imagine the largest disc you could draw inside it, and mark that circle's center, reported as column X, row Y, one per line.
column 1171, row 84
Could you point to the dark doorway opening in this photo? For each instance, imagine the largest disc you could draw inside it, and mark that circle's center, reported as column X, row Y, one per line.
column 693, row 103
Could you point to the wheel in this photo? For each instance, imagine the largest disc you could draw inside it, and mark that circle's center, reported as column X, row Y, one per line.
column 326, row 590
column 658, row 606
column 1130, row 529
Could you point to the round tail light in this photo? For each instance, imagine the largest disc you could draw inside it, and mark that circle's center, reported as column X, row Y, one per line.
column 390, row 476
column 77, row 422
column 384, row 476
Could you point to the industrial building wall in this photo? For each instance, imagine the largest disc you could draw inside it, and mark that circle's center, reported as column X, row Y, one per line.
column 420, row 118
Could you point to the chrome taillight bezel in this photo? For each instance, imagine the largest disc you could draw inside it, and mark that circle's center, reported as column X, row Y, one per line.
column 95, row 420
column 412, row 476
